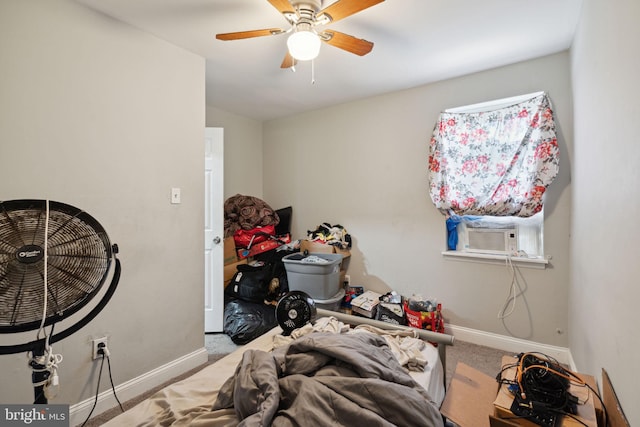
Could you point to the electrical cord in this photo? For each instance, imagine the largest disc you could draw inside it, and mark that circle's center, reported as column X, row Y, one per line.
column 541, row 385
column 45, row 274
column 499, row 377
column 512, row 295
column 47, row 361
column 544, row 380
column 95, row 401
column 112, row 386
column 104, row 351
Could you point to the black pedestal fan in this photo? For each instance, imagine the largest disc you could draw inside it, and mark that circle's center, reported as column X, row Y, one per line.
column 54, row 258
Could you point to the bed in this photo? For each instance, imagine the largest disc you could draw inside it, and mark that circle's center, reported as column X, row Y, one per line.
column 342, row 370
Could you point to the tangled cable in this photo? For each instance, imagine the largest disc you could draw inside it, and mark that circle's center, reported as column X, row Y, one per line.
column 541, row 389
column 544, row 383
column 47, row 362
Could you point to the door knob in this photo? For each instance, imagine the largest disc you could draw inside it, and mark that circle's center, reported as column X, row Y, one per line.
column 217, row 240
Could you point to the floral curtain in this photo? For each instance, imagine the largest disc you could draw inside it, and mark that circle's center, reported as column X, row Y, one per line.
column 497, row 162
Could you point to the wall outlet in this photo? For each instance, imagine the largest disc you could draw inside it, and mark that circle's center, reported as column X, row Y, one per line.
column 96, row 342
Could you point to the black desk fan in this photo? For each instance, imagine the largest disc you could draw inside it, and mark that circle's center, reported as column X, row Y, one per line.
column 54, row 258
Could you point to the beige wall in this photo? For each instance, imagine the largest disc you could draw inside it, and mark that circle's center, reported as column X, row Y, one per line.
column 364, row 165
column 604, row 290
column 242, row 152
column 106, row 118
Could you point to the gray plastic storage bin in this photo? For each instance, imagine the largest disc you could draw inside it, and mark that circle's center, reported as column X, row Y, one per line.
column 333, row 303
column 318, row 280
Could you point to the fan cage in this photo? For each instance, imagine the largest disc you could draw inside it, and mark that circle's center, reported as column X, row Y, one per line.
column 79, row 258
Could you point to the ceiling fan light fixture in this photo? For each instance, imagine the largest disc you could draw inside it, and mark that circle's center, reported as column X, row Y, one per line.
column 304, row 45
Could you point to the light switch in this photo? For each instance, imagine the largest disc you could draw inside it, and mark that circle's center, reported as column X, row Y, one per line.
column 175, row 196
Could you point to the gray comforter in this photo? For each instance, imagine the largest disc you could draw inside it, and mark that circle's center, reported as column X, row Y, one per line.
column 325, row 379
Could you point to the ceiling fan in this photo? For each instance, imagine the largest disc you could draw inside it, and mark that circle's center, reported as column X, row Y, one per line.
column 305, row 40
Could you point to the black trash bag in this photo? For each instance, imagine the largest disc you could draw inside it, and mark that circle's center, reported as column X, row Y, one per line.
column 245, row 321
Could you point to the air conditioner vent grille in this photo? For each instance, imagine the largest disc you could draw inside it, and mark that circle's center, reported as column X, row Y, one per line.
column 491, row 240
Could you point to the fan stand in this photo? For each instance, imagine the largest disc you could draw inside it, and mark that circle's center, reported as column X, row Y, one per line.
column 39, row 376
column 40, row 373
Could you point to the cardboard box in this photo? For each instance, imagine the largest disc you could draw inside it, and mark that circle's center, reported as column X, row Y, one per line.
column 615, row 414
column 474, row 399
column 469, row 399
column 229, row 246
column 366, row 304
column 322, row 248
column 591, row 381
column 230, row 270
column 499, row 422
column 390, row 312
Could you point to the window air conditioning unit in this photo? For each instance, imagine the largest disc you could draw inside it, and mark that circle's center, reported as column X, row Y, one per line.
column 500, row 241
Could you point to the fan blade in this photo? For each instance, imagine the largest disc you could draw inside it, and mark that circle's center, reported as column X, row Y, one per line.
column 283, row 6
column 288, row 61
column 249, row 34
column 346, row 42
column 343, row 8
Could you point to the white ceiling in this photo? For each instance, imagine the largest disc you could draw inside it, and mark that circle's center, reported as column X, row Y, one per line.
column 415, row 42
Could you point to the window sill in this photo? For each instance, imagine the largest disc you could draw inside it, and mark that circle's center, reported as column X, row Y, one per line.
column 539, row 263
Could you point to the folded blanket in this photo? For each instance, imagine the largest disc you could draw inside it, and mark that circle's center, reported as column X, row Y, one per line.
column 327, row 379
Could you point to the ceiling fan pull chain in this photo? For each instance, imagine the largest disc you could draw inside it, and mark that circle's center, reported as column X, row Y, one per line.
column 313, row 71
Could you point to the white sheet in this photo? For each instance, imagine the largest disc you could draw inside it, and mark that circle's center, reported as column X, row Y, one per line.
column 188, row 402
column 432, row 379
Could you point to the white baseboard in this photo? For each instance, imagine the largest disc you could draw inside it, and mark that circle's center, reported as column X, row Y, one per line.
column 136, row 386
column 511, row 344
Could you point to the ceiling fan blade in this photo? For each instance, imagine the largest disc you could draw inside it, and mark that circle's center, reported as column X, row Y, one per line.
column 288, row 61
column 343, row 8
column 346, row 42
column 248, row 34
column 283, row 6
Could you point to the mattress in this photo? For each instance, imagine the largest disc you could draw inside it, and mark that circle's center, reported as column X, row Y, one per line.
column 188, row 402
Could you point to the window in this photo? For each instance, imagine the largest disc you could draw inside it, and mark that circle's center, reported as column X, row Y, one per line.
column 489, row 167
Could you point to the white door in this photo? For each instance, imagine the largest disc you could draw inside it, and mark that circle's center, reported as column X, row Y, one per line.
column 213, row 230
